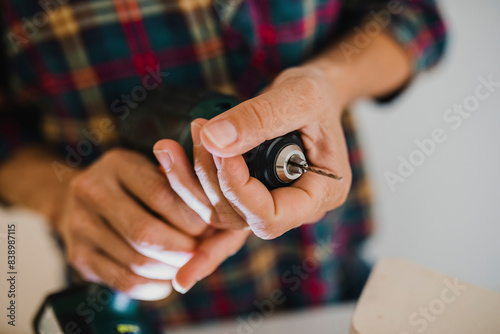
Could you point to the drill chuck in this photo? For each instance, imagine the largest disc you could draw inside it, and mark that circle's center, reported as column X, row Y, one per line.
column 269, row 162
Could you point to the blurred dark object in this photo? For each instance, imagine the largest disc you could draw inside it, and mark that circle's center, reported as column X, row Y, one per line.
column 91, row 309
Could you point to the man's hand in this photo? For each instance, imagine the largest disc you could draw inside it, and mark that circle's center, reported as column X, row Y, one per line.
column 124, row 226
column 215, row 245
column 299, row 99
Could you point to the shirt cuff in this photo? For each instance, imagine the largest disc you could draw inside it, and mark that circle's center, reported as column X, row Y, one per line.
column 418, row 28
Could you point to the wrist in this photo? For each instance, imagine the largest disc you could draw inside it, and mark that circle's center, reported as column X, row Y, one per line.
column 335, row 79
column 27, row 179
column 53, row 205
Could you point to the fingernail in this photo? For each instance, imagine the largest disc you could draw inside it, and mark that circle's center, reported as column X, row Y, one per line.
column 179, row 288
column 164, row 158
column 221, row 133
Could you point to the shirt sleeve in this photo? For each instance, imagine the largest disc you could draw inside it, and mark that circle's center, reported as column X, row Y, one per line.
column 19, row 124
column 18, row 127
column 416, row 25
column 420, row 30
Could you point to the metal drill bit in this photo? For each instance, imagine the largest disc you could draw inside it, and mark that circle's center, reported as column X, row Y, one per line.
column 305, row 167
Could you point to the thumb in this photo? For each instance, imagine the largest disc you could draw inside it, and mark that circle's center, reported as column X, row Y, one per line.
column 267, row 116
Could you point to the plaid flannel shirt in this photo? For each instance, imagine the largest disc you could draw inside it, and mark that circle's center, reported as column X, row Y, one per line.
column 72, row 62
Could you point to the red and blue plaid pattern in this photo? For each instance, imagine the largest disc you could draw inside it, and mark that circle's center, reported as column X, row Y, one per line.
column 79, row 63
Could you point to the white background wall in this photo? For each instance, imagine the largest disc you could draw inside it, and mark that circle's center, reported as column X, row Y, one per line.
column 446, row 216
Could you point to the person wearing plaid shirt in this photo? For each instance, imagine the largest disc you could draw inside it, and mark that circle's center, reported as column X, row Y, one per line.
column 72, row 70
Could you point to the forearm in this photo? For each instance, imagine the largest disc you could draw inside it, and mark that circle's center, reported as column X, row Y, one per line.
column 378, row 69
column 27, row 178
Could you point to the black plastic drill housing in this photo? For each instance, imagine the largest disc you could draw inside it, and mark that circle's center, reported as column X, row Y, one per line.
column 167, row 114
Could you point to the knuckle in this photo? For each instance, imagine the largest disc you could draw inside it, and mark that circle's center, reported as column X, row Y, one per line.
column 290, row 72
column 113, row 155
column 214, row 221
column 207, row 255
column 123, row 280
column 201, row 168
column 159, row 195
column 209, row 180
column 308, row 95
column 228, row 217
column 225, row 214
column 87, row 186
column 310, row 87
column 76, row 227
column 141, row 235
column 188, row 216
column 140, row 261
column 259, row 112
column 226, row 186
column 80, row 183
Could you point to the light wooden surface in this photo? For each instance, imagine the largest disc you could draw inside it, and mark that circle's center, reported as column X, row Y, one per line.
column 404, row 298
